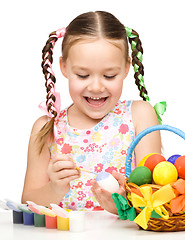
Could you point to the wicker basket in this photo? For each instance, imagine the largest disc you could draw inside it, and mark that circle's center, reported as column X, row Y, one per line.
column 175, row 222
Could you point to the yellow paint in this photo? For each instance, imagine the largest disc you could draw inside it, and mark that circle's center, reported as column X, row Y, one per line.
column 63, row 223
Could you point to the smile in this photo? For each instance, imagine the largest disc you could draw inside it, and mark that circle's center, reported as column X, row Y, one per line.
column 96, row 101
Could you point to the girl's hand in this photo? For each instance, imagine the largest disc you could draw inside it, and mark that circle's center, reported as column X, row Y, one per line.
column 104, row 197
column 62, row 170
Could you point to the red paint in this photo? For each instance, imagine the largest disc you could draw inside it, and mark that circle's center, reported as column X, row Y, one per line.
column 51, row 222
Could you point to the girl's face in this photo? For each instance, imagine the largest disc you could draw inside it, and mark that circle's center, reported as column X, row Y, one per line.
column 95, row 70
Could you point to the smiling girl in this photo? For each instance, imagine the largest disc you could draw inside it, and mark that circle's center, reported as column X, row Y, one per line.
column 96, row 130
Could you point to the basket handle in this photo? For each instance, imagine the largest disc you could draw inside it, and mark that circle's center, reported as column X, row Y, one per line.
column 141, row 135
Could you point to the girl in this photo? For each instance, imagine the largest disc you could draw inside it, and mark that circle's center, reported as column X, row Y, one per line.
column 96, row 130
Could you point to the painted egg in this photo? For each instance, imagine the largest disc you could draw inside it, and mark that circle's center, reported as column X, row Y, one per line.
column 180, row 166
column 153, row 160
column 165, row 173
column 140, row 175
column 142, row 162
column 107, row 182
column 173, row 158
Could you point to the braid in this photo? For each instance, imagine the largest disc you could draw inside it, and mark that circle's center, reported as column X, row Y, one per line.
column 47, row 57
column 137, row 58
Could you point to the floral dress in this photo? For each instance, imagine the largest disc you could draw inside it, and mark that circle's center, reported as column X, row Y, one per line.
column 101, row 148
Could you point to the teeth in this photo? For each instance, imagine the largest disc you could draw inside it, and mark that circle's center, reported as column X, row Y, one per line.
column 94, row 98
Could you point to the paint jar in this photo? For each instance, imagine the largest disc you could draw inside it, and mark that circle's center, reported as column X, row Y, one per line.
column 28, row 218
column 39, row 220
column 17, row 217
column 51, row 222
column 77, row 221
column 63, row 222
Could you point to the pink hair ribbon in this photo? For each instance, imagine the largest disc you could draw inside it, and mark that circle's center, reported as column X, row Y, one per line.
column 57, row 108
column 59, row 33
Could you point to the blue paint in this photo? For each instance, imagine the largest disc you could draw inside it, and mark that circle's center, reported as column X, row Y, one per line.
column 28, row 218
column 102, row 176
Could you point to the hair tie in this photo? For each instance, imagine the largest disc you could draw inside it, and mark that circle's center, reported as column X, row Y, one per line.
column 61, row 32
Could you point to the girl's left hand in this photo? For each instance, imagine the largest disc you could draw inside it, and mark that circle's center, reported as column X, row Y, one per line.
column 104, row 197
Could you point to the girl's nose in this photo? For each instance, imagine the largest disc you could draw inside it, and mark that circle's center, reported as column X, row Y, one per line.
column 96, row 85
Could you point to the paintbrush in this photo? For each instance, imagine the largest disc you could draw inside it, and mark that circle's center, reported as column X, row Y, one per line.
column 85, row 170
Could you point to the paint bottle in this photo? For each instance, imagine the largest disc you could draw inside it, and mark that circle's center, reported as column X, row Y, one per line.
column 17, row 213
column 17, row 217
column 39, row 220
column 77, row 221
column 28, row 218
column 51, row 222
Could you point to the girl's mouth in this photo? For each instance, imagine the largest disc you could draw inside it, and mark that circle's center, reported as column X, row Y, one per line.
column 96, row 101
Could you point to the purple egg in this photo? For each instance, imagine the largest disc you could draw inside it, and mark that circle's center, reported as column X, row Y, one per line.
column 173, row 158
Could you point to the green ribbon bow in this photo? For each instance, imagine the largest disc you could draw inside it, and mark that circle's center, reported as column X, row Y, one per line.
column 124, row 210
column 160, row 109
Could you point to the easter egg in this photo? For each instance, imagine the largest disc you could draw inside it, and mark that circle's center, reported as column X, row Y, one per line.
column 180, row 166
column 164, row 173
column 153, row 160
column 173, row 158
column 140, row 175
column 142, row 162
column 107, row 182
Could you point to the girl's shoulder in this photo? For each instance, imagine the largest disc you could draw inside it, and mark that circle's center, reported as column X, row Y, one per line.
column 142, row 108
column 143, row 115
column 39, row 123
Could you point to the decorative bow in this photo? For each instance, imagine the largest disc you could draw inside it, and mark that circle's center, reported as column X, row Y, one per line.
column 124, row 210
column 57, row 107
column 152, row 202
column 178, row 203
column 160, row 109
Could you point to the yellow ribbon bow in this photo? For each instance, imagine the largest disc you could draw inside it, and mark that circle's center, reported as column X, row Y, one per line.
column 152, row 202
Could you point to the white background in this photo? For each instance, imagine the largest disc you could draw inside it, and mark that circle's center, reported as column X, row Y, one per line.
column 25, row 26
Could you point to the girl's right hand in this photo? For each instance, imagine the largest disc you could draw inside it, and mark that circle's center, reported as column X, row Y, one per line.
column 62, row 170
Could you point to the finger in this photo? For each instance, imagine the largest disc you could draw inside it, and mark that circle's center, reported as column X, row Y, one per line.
column 94, row 184
column 97, row 194
column 100, row 192
column 59, row 165
column 119, row 177
column 67, row 173
column 61, row 157
column 104, row 198
column 69, row 179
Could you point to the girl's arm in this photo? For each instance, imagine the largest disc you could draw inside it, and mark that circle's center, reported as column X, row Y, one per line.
column 46, row 180
column 144, row 116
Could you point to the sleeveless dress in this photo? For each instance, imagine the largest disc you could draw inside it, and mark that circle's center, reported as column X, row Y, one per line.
column 101, row 148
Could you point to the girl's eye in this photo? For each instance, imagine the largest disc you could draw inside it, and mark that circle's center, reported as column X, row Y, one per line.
column 110, row 77
column 83, row 76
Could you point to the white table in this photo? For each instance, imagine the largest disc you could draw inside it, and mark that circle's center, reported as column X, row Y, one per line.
column 99, row 225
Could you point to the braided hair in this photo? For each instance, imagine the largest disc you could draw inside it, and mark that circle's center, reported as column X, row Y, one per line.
column 137, row 58
column 47, row 55
column 90, row 25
